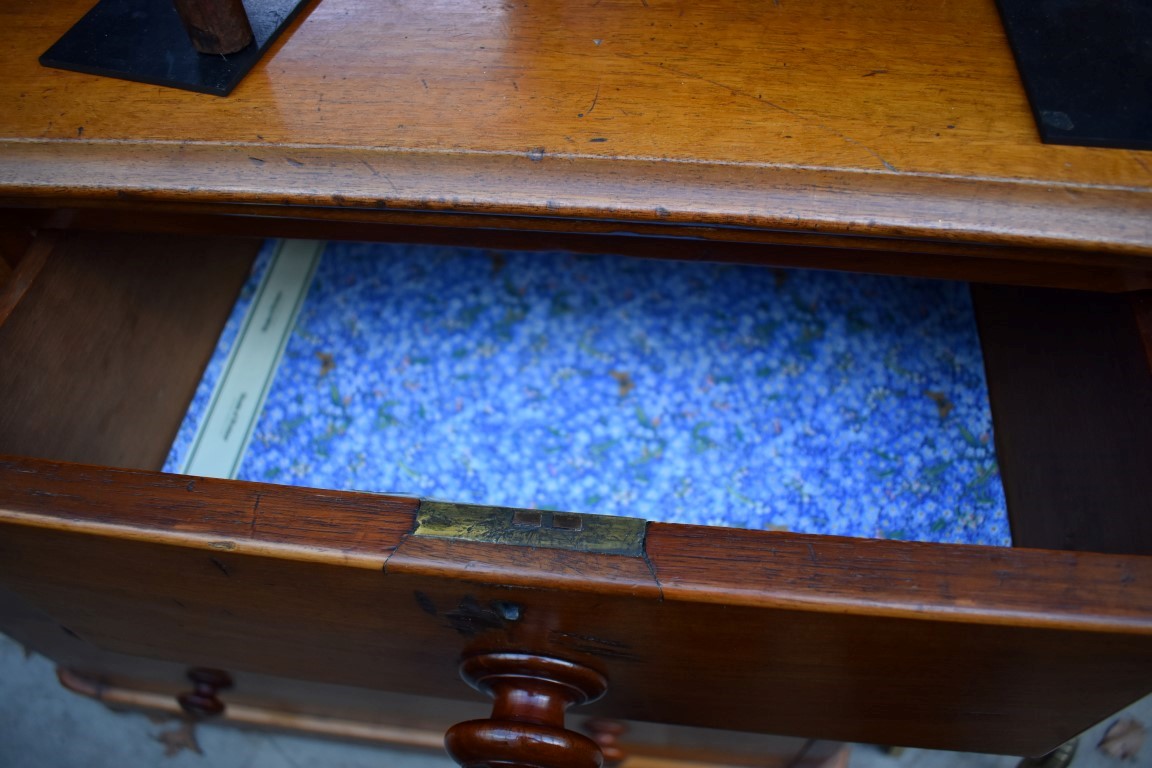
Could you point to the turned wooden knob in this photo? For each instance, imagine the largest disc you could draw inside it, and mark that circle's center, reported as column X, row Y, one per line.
column 606, row 733
column 202, row 700
column 526, row 730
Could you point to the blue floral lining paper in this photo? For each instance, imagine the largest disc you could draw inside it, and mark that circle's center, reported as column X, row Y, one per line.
column 743, row 396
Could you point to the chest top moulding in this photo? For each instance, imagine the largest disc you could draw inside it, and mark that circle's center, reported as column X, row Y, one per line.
column 865, row 125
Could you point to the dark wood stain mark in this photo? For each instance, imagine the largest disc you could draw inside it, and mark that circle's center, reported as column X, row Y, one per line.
column 652, row 568
column 220, row 566
column 470, row 618
column 255, row 517
column 425, row 603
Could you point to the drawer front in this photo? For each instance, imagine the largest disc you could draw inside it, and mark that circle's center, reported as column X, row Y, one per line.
column 974, row 648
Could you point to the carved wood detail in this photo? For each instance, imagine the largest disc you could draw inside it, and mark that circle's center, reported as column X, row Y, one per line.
column 204, row 699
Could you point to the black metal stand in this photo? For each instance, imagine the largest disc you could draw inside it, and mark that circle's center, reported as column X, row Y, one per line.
column 1087, row 68
column 144, row 40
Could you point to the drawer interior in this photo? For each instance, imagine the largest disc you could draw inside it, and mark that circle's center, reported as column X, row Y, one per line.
column 114, row 334
column 712, row 394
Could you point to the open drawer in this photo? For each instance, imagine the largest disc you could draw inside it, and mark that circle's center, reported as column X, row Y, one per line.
column 129, row 575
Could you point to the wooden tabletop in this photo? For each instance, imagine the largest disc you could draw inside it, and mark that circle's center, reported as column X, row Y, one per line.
column 835, row 118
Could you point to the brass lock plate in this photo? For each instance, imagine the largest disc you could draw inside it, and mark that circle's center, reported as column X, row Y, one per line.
column 603, row 534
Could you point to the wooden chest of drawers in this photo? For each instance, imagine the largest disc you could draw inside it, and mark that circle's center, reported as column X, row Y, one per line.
column 870, row 137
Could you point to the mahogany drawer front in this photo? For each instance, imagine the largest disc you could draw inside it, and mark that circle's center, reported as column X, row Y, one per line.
column 983, row 649
column 789, row 144
column 977, row 648
column 357, row 713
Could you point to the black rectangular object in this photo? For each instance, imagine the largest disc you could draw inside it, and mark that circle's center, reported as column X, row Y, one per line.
column 144, row 40
column 1087, row 68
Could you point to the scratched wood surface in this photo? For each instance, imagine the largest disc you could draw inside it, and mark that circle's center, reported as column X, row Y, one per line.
column 843, row 118
column 972, row 648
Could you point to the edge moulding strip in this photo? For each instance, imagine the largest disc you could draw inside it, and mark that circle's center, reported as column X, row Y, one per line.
column 993, row 210
column 765, row 570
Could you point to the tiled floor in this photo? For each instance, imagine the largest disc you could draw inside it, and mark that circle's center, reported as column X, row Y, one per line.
column 44, row 726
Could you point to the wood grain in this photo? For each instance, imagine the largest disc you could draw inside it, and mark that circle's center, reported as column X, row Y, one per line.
column 23, row 274
column 1070, row 385
column 985, row 585
column 111, row 335
column 1142, row 311
column 998, row 650
column 359, row 529
column 15, row 238
column 878, row 118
